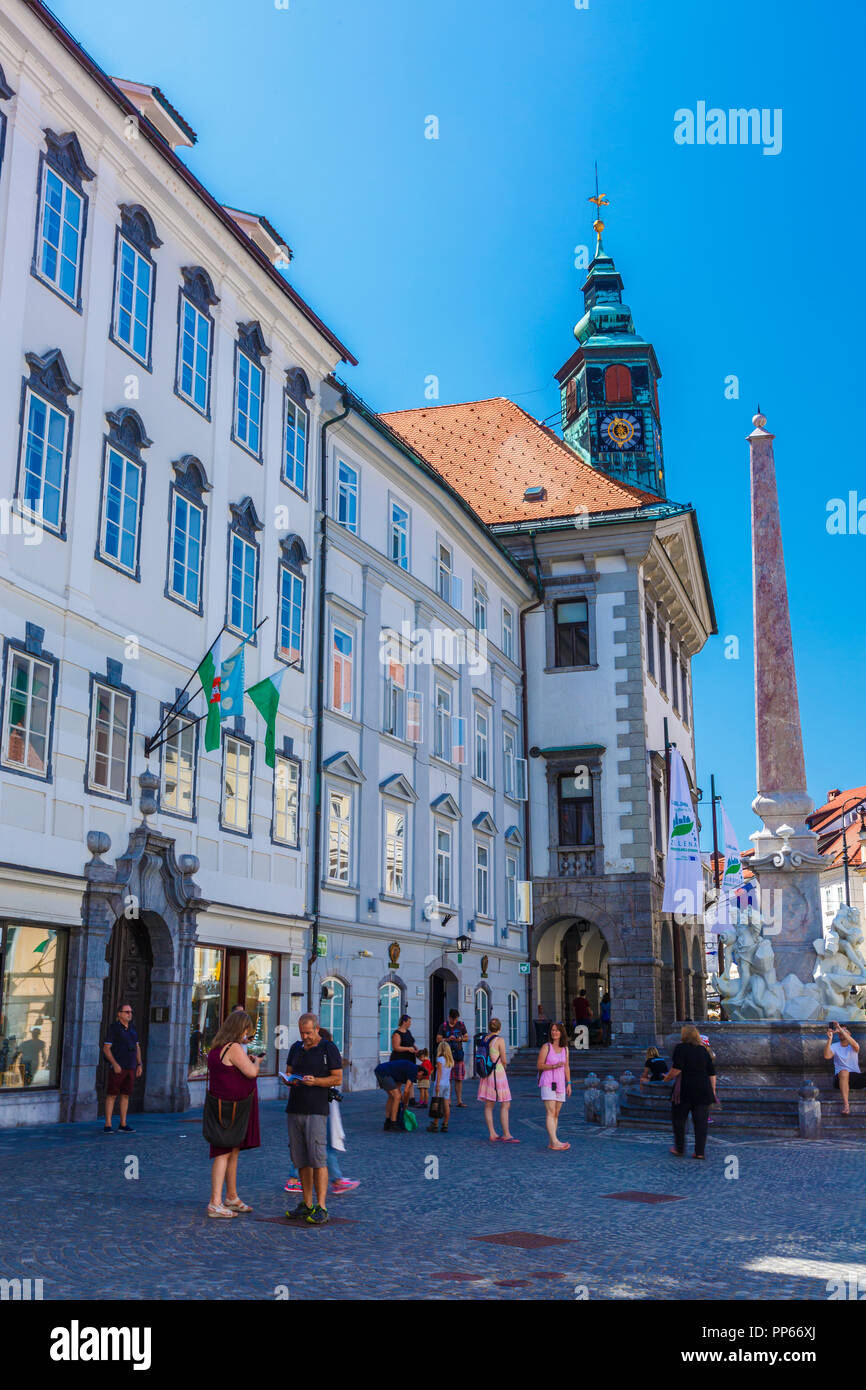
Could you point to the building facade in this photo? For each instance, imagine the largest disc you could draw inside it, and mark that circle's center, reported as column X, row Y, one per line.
column 482, row 634
column 840, row 825
column 624, row 605
column 159, row 399
column 423, row 776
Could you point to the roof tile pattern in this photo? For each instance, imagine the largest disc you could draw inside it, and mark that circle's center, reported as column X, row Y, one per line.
column 492, row 451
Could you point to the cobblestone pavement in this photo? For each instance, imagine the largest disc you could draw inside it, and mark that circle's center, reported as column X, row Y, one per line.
column 790, row 1222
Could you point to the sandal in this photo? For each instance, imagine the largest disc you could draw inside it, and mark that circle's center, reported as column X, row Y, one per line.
column 236, row 1205
column 558, row 1148
column 509, row 1139
column 220, row 1212
column 677, row 1153
column 495, row 1138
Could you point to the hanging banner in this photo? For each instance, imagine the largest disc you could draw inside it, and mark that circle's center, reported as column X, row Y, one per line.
column 683, row 869
column 730, row 899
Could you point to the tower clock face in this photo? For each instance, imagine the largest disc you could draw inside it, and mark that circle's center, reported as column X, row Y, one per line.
column 621, row 429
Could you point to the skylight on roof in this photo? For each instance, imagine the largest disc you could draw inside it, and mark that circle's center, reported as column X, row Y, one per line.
column 536, row 493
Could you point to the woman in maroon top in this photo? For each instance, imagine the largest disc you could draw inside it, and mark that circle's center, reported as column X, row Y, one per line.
column 232, row 1075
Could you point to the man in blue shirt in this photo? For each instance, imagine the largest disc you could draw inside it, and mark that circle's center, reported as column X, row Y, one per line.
column 123, row 1054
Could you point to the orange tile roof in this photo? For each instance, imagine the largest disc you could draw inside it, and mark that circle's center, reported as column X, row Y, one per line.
column 825, row 822
column 491, row 451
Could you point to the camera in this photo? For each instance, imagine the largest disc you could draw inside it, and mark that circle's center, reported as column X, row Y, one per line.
column 334, row 1094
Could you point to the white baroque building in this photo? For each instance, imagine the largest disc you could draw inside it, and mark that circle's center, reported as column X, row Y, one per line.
column 423, row 775
column 159, row 399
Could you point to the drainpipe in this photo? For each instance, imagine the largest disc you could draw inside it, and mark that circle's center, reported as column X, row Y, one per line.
column 527, row 815
column 316, row 758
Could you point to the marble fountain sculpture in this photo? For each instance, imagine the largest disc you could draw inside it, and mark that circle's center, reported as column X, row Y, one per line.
column 837, row 990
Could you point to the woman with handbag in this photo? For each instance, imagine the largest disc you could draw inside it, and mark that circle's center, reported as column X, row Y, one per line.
column 693, row 1073
column 231, row 1111
column 440, row 1101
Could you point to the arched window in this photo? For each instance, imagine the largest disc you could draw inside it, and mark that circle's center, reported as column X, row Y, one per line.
column 332, row 1010
column 513, row 1016
column 389, row 1014
column 617, row 383
column 482, row 1011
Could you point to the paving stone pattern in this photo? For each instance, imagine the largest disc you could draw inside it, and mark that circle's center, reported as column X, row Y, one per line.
column 69, row 1212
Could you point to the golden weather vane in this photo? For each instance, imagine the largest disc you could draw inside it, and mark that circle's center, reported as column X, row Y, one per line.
column 600, row 202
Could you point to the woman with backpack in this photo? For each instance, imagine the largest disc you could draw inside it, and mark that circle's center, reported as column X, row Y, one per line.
column 554, row 1078
column 493, row 1088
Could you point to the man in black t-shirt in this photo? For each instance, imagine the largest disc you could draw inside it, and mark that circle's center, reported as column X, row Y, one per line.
column 122, row 1051
column 313, row 1067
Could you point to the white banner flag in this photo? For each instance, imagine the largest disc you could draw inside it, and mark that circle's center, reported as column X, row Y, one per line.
column 683, row 870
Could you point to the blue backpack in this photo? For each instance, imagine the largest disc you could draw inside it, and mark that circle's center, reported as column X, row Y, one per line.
column 484, row 1065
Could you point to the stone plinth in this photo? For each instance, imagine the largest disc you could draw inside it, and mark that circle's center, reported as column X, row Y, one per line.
column 770, row 1052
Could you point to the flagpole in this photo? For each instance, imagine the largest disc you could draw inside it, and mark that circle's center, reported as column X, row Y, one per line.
column 192, row 721
column 149, row 743
column 716, row 880
column 679, row 992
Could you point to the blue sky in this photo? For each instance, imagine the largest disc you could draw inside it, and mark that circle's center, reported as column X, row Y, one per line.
column 455, row 256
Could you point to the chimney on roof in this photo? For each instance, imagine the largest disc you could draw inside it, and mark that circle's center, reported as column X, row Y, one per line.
column 834, row 792
column 153, row 104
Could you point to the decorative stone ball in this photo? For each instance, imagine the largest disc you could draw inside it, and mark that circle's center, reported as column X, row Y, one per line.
column 188, row 864
column 149, row 782
column 98, row 842
column 759, row 420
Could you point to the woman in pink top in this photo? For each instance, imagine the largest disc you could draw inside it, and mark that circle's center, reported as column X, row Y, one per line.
column 554, row 1078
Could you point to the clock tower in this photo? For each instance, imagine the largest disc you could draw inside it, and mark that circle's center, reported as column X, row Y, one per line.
column 610, row 403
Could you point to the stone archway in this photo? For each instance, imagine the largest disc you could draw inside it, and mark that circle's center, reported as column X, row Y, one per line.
column 577, row 946
column 444, row 994
column 147, row 885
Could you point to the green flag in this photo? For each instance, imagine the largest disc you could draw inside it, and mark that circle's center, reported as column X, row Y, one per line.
column 266, row 698
column 210, row 684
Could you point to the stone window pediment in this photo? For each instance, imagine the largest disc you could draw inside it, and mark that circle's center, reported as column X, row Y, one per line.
column 190, row 476
column 245, row 519
column 198, row 287
column 126, row 431
column 49, row 375
column 445, row 805
column 514, row 837
column 344, row 765
column 251, row 340
column 298, row 387
column 398, row 786
column 484, row 823
column 293, row 552
column 65, row 155
column 136, row 224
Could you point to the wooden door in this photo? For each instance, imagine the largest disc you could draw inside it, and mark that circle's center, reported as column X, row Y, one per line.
column 129, row 965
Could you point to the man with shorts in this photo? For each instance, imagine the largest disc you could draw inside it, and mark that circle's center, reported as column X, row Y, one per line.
column 453, row 1031
column 123, row 1053
column 841, row 1048
column 313, row 1066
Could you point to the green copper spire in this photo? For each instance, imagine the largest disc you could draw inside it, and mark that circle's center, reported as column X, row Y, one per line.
column 610, row 407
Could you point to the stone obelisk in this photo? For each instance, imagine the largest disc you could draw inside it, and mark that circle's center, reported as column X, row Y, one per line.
column 785, row 860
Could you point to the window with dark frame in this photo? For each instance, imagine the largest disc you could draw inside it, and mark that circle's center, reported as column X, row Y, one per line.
column 575, row 808
column 650, row 643
column 571, row 621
